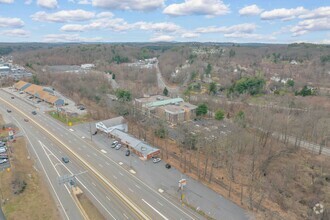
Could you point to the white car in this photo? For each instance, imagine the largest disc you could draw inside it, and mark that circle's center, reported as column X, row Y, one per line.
column 156, row 160
column 118, row 146
column 3, row 149
column 3, row 161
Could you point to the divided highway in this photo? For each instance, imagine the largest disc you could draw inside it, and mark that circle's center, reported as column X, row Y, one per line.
column 114, row 190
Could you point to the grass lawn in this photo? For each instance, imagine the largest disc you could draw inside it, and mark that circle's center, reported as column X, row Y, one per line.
column 62, row 118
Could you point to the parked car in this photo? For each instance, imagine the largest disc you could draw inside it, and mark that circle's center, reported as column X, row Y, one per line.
column 65, row 159
column 3, row 156
column 12, row 97
column 31, row 97
column 3, row 149
column 21, row 92
column 113, row 145
column 128, row 152
column 34, row 112
column 3, row 161
column 39, row 101
column 8, row 110
column 26, row 120
column 168, row 166
column 118, row 146
column 156, row 160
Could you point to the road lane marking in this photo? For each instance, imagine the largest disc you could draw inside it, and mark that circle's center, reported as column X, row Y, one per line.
column 107, row 163
column 71, row 129
column 93, row 184
column 114, row 177
column 121, row 174
column 164, row 217
column 103, row 151
column 108, row 198
column 125, row 215
column 160, row 203
column 95, row 154
column 130, row 189
column 120, row 163
column 100, row 165
column 137, row 186
column 132, row 171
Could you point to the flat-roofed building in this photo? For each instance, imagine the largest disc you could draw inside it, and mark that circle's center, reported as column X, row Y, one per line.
column 113, row 123
column 140, row 148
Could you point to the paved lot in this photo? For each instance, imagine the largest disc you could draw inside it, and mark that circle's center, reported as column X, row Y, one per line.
column 157, row 176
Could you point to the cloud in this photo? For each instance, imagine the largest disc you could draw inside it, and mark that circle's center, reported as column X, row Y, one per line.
column 135, row 5
column 166, row 38
column 239, row 28
column 283, row 13
column 85, row 2
column 158, row 27
column 11, row 22
column 250, row 10
column 50, row 4
column 253, row 37
column 28, row 2
column 209, row 8
column 6, row 1
column 317, row 13
column 16, row 33
column 116, row 24
column 190, row 35
column 309, row 25
column 104, row 15
column 63, row 16
column 55, row 38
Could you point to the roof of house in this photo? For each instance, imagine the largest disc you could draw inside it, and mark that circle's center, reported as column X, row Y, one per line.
column 33, row 89
column 187, row 106
column 133, row 142
column 20, row 84
column 172, row 109
column 113, row 121
column 164, row 102
column 152, row 99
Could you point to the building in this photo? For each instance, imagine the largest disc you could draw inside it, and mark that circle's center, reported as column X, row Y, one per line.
column 43, row 93
column 140, row 148
column 174, row 110
column 114, row 123
column 87, row 66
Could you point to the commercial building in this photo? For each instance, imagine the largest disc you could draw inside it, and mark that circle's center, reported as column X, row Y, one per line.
column 42, row 93
column 174, row 110
column 114, row 123
column 140, row 148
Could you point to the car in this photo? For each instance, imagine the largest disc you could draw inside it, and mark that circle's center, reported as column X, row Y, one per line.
column 8, row 110
column 156, row 160
column 12, row 97
column 31, row 97
column 34, row 112
column 128, row 152
column 21, row 92
column 65, row 159
column 26, row 120
column 39, row 101
column 3, row 150
column 3, row 156
column 113, row 145
column 3, row 161
column 118, row 146
column 168, row 166
column 82, row 108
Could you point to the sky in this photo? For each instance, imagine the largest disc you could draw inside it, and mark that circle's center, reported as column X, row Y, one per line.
column 241, row 21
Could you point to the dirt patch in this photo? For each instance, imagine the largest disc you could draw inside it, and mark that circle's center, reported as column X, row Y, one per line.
column 90, row 209
column 23, row 191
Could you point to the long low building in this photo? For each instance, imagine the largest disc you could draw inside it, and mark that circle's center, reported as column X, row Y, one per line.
column 140, row 148
column 42, row 93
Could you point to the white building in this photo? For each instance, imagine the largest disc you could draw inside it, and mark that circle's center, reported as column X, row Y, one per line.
column 114, row 123
column 87, row 66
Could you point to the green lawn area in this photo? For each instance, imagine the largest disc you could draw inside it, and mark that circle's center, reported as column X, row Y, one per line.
column 62, row 118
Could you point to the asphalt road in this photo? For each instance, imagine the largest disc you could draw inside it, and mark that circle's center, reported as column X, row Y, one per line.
column 107, row 180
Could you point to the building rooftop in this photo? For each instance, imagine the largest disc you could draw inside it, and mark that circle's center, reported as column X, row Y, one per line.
column 133, row 142
column 163, row 102
column 173, row 109
column 152, row 99
column 20, row 84
column 113, row 121
column 33, row 89
column 187, row 106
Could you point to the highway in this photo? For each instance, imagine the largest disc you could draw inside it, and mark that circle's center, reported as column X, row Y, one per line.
column 114, row 190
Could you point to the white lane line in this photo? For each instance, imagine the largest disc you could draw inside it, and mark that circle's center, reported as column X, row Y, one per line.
column 108, row 198
column 125, row 216
column 103, row 151
column 160, row 203
column 121, row 174
column 130, row 189
column 107, row 163
column 100, row 165
column 71, row 129
column 164, row 217
column 95, row 154
column 137, row 186
column 93, row 183
column 114, row 177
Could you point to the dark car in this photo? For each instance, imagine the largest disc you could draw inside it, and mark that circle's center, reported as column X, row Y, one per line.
column 39, row 101
column 8, row 110
column 34, row 112
column 12, row 97
column 168, row 166
column 128, row 152
column 31, row 97
column 65, row 159
column 26, row 120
